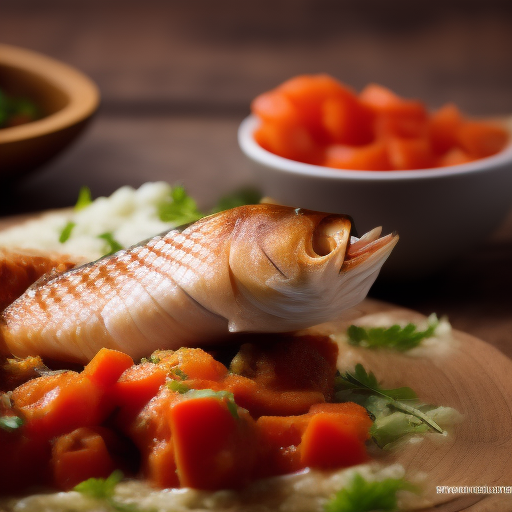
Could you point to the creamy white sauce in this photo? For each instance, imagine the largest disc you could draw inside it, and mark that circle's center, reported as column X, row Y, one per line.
column 307, row 491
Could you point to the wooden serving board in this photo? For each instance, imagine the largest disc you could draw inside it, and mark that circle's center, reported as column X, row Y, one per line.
column 472, row 377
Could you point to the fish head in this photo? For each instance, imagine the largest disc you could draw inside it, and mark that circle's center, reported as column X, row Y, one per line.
column 300, row 267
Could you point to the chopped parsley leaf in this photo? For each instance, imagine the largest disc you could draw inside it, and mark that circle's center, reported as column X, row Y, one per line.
column 364, row 496
column 394, row 337
column 180, row 208
column 66, row 232
column 10, row 423
column 112, row 244
column 224, row 396
column 360, row 384
column 177, row 386
column 84, row 198
column 100, row 488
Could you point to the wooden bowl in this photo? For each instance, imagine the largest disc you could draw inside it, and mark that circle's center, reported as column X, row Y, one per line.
column 66, row 97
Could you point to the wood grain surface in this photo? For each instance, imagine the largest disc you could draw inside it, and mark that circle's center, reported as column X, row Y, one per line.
column 470, row 376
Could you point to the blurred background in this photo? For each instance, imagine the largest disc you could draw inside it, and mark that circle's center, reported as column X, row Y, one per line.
column 177, row 77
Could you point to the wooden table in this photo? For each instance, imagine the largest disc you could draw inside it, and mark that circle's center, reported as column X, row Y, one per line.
column 177, row 78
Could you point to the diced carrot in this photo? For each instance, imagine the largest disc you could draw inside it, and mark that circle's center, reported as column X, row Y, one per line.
column 275, row 107
column 55, row 404
column 136, row 386
column 455, row 156
column 107, row 366
column 410, row 153
column 280, row 438
column 372, row 157
column 80, row 455
column 193, row 363
column 289, row 141
column 347, row 120
column 308, row 94
column 160, row 467
column 334, row 440
column 481, row 139
column 383, row 100
column 260, row 400
column 213, row 449
column 405, row 125
column 443, row 128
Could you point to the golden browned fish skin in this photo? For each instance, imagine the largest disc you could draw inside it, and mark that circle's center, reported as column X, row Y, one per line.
column 262, row 268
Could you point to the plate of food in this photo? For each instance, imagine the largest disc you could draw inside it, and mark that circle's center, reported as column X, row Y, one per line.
column 234, row 364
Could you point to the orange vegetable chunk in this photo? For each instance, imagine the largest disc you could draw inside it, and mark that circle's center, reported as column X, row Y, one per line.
column 410, row 153
column 455, row 156
column 372, row 157
column 106, row 367
column 289, row 141
column 443, row 128
column 275, row 107
column 481, row 139
column 80, row 455
column 336, row 439
column 308, row 94
column 56, row 404
column 213, row 449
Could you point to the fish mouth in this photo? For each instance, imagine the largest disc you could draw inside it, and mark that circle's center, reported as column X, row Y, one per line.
column 370, row 246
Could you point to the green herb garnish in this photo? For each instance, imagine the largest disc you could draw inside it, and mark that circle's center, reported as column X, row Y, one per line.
column 177, row 386
column 180, row 373
column 84, row 198
column 237, row 198
column 16, row 111
column 151, row 359
column 10, row 423
column 394, row 337
column 367, row 383
column 113, row 245
column 180, row 208
column 363, row 496
column 224, row 396
column 103, row 489
column 100, row 488
column 66, row 232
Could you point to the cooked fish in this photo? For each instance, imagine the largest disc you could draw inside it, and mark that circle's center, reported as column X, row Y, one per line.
column 260, row 268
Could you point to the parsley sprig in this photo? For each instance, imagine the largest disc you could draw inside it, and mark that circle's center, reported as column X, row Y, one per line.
column 361, row 495
column 366, row 383
column 180, row 208
column 394, row 337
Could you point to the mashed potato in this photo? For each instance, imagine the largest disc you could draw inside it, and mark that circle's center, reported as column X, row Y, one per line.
column 128, row 215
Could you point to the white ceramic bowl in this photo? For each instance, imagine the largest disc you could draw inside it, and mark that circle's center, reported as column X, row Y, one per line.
column 440, row 214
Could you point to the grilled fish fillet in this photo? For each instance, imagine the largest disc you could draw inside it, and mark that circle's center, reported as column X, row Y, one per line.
column 258, row 268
